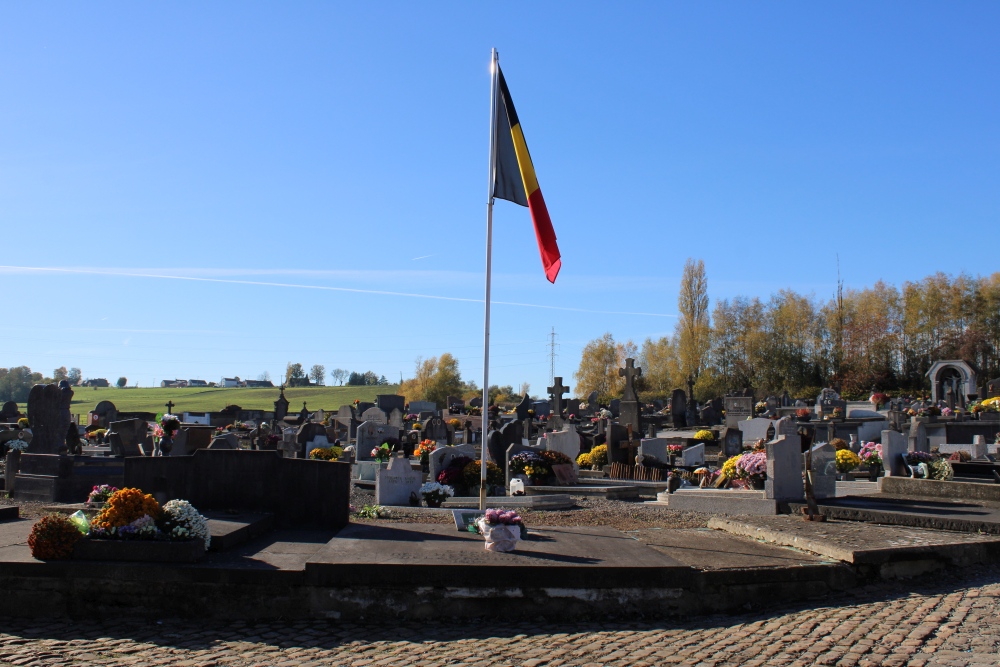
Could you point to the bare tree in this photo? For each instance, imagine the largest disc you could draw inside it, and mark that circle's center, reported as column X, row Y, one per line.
column 339, row 375
column 317, row 373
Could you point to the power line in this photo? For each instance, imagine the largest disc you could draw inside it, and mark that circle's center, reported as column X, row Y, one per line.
column 552, row 356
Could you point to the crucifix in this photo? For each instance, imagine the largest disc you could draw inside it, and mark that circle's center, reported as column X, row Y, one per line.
column 170, row 407
column 630, row 372
column 556, row 391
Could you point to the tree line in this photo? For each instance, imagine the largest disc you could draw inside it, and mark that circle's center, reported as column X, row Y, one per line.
column 295, row 375
column 881, row 336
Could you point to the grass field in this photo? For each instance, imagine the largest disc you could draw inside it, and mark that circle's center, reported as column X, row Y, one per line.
column 195, row 399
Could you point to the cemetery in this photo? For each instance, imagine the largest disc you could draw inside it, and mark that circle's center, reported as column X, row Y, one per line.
column 373, row 509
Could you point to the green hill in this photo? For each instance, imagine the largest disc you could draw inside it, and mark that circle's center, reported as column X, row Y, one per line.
column 211, row 399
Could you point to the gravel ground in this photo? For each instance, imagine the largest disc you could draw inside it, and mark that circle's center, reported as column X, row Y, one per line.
column 589, row 511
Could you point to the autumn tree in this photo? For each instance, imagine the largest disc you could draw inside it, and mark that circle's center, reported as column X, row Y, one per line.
column 599, row 364
column 434, row 380
column 693, row 329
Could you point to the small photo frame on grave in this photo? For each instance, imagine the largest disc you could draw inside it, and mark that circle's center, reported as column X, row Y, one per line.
column 465, row 520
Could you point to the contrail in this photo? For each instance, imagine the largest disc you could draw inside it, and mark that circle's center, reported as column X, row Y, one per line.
column 258, row 283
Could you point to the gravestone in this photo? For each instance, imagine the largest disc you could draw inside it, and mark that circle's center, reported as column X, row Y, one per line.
column 755, row 429
column 106, row 412
column 556, row 391
column 708, row 416
column 894, row 447
column 658, row 448
column 360, row 408
column 512, row 432
column 824, row 470
column 435, row 429
column 129, row 433
column 396, row 418
column 693, row 456
column 784, row 469
column 617, row 441
column 374, row 415
column 476, row 402
column 918, row 437
column 786, row 426
column 615, row 407
column 389, row 402
column 48, row 435
column 370, row 436
column 417, row 407
column 738, row 409
column 395, row 484
column 521, row 409
column 678, row 408
column 592, row 401
column 225, row 441
column 496, row 445
column 541, row 408
column 629, row 411
column 786, row 400
column 732, row 442
column 442, row 456
column 511, row 451
column 319, row 442
column 566, row 442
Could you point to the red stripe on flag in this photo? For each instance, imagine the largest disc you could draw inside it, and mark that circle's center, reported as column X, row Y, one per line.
column 545, row 235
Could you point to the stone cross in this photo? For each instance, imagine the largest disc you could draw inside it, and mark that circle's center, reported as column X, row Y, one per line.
column 170, row 407
column 629, row 373
column 556, row 391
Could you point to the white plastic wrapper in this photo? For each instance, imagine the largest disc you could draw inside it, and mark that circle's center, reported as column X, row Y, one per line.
column 500, row 537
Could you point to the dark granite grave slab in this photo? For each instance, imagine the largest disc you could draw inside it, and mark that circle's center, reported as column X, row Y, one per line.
column 140, row 551
column 440, row 555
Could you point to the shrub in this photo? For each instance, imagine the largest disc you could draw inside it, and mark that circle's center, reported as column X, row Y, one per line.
column 599, row 456
column 53, row 538
column 124, row 507
column 704, row 435
column 326, row 453
column 840, row 444
column 471, row 472
column 583, row 460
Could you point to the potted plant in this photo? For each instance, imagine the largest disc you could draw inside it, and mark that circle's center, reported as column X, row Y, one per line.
column 100, row 495
column 803, row 414
column 846, row 462
column 871, row 455
column 529, row 467
column 918, row 464
column 382, row 453
column 423, row 452
column 673, row 451
column 501, row 528
column 751, row 467
column 435, row 493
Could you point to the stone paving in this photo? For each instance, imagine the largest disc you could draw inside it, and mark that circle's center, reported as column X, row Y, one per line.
column 944, row 619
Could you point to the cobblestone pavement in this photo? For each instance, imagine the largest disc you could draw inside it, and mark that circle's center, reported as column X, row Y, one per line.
column 937, row 620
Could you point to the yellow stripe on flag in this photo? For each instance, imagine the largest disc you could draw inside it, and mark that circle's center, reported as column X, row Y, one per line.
column 524, row 160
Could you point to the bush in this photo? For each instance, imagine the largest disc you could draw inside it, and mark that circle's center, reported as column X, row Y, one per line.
column 840, row 444
column 599, row 456
column 124, row 507
column 326, row 453
column 704, row 435
column 583, row 460
column 53, row 538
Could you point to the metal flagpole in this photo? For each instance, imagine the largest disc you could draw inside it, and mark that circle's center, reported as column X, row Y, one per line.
column 494, row 72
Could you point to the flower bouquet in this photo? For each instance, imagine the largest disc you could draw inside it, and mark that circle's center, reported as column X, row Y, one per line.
column 100, row 495
column 871, row 456
column 847, row 461
column 501, row 528
column 751, row 467
column 382, row 452
column 435, row 493
column 803, row 414
column 423, row 452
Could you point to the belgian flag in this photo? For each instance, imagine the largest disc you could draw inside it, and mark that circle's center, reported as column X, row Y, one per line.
column 515, row 179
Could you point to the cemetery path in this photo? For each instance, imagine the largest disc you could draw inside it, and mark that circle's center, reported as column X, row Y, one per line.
column 944, row 619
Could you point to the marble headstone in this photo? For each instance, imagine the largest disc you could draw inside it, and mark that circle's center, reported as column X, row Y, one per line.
column 394, row 484
column 784, row 469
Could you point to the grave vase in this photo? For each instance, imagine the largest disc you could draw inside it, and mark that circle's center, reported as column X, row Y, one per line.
column 756, row 482
column 873, row 472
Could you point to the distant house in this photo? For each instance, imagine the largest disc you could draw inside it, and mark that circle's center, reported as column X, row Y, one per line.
column 174, row 383
column 258, row 383
column 96, row 382
column 197, row 383
column 231, row 382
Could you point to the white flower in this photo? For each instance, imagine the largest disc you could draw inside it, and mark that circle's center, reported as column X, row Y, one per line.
column 189, row 523
column 19, row 445
column 436, row 487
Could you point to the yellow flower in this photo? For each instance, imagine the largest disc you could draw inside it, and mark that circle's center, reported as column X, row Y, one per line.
column 729, row 467
column 847, row 460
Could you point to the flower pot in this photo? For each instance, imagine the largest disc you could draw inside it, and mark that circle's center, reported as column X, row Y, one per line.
column 433, row 502
column 500, row 537
column 873, row 472
column 756, row 483
column 425, row 466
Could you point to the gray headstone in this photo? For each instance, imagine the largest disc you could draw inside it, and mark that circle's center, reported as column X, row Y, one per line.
column 45, row 418
column 755, row 429
column 416, row 407
column 918, row 437
column 738, row 409
column 566, row 442
column 784, row 469
column 824, row 470
column 394, row 484
column 225, row 441
column 785, row 426
column 592, row 401
column 345, row 415
column 435, row 429
column 389, row 402
column 374, row 415
column 693, row 456
column 396, row 418
column 894, row 447
column 655, row 447
column 371, row 435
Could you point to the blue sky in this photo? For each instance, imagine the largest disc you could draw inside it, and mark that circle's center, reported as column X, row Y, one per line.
column 253, row 156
